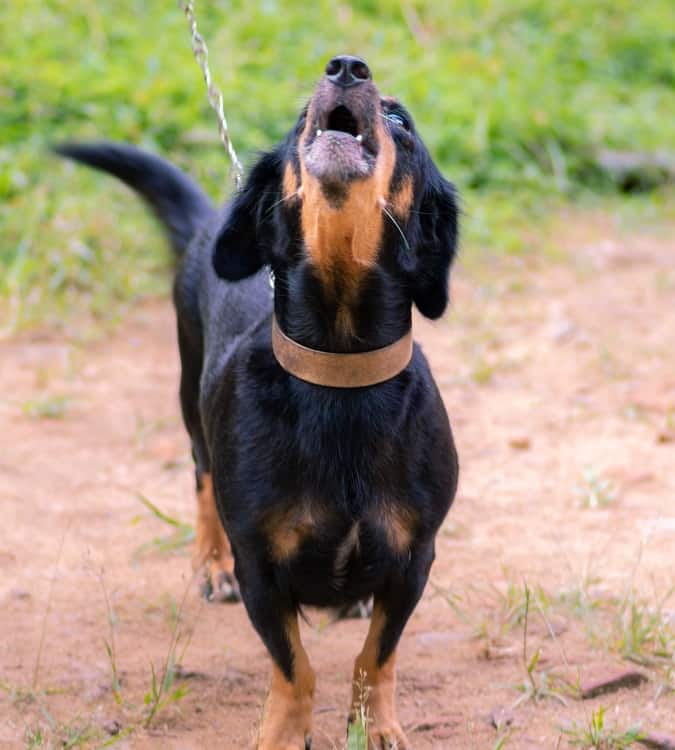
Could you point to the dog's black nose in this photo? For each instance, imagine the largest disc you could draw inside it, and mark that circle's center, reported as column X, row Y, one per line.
column 346, row 71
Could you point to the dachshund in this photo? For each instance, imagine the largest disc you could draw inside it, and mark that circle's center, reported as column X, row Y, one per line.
column 325, row 463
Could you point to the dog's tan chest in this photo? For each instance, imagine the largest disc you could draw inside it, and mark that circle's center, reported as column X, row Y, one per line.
column 289, row 530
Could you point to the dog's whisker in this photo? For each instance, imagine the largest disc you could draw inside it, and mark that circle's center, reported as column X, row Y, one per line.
column 396, row 224
column 285, row 198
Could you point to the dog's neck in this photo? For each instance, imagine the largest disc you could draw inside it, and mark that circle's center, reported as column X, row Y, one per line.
column 335, row 316
column 343, row 292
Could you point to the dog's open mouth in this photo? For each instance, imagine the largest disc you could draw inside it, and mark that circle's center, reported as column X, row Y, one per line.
column 341, row 145
column 341, row 119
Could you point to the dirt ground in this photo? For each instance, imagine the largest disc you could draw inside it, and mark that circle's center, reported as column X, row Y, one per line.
column 559, row 378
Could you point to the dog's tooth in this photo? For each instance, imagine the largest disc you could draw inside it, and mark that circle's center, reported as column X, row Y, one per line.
column 359, row 137
column 318, row 132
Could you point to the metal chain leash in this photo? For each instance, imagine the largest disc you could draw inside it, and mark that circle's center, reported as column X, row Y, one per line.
column 214, row 94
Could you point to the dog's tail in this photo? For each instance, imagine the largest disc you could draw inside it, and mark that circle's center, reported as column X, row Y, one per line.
column 179, row 203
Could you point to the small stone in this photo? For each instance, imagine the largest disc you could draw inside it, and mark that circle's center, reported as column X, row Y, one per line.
column 498, row 651
column 665, row 436
column 112, row 727
column 658, row 741
column 520, row 442
column 432, row 724
column 180, row 673
column 611, row 683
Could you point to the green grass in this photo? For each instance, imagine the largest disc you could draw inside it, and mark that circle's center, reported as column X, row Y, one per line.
column 508, row 95
column 597, row 735
column 643, row 633
column 64, row 736
column 180, row 537
column 357, row 731
column 47, row 407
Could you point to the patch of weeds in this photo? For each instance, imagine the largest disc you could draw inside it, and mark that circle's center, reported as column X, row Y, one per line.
column 49, row 407
column 538, row 685
column 483, row 372
column 642, row 634
column 596, row 735
column 162, row 692
column 34, row 737
column 59, row 735
column 357, row 733
column 595, row 491
column 164, row 689
column 110, row 646
column 45, row 618
column 504, row 732
column 493, row 613
column 75, row 734
column 165, row 607
column 167, row 687
column 512, row 609
column 581, row 601
column 585, row 598
column 18, row 694
column 516, row 602
column 171, row 611
column 182, row 536
column 666, row 682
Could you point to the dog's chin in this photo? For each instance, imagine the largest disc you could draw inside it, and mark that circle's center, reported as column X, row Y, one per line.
column 336, row 158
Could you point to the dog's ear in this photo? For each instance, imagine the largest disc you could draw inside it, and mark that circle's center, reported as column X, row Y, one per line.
column 244, row 241
column 434, row 244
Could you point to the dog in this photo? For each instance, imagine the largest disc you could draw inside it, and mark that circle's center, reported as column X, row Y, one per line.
column 324, row 457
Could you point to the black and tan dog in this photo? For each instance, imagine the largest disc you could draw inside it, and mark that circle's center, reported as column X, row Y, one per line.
column 319, row 436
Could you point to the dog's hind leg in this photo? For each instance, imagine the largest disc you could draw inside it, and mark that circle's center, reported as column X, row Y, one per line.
column 374, row 685
column 211, row 551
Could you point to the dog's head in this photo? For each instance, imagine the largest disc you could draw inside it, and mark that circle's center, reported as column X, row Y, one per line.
column 352, row 191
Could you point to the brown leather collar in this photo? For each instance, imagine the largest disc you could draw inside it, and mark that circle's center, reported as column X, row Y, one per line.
column 341, row 370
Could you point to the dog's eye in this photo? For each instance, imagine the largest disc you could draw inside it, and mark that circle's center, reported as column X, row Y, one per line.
column 398, row 119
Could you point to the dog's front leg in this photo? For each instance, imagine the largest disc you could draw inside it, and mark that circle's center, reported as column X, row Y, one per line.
column 287, row 715
column 374, row 686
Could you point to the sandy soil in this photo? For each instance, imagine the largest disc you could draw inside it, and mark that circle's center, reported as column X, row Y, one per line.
column 547, row 369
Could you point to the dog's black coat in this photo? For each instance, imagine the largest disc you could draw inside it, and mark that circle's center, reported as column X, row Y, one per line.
column 272, row 441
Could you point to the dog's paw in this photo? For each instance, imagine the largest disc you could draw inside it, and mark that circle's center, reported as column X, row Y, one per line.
column 385, row 735
column 219, row 585
column 388, row 737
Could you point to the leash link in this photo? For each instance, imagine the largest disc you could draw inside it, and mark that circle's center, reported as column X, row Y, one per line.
column 214, row 95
